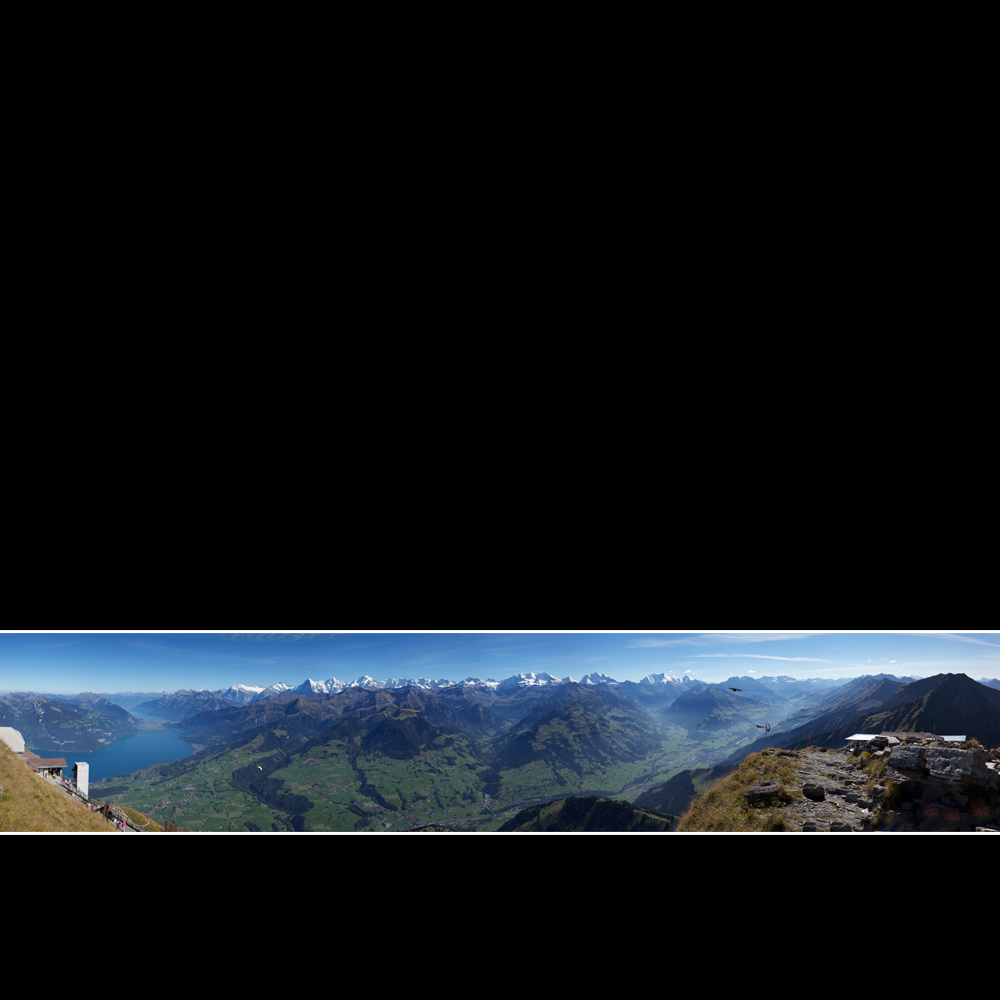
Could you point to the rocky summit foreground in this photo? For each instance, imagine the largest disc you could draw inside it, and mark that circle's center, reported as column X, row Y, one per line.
column 887, row 784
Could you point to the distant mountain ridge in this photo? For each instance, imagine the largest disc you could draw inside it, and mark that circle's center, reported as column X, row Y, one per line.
column 805, row 709
column 334, row 685
column 722, row 716
column 81, row 724
column 722, row 712
column 247, row 694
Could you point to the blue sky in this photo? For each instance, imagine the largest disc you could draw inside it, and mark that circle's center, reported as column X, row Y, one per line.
column 67, row 662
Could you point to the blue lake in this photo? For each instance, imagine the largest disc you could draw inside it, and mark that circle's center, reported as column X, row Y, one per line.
column 127, row 754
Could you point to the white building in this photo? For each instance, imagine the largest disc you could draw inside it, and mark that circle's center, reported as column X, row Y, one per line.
column 12, row 738
column 82, row 773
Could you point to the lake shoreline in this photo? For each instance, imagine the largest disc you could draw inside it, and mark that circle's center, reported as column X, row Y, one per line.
column 127, row 754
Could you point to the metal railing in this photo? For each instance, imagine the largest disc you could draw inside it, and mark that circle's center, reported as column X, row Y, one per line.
column 113, row 812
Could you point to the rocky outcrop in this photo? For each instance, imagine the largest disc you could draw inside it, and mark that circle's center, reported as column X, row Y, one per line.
column 957, row 766
column 931, row 786
column 906, row 758
column 766, row 793
column 924, row 785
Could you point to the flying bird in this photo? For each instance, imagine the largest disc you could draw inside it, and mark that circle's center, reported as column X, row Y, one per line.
column 737, row 689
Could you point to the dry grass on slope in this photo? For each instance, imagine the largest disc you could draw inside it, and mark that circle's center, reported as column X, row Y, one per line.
column 29, row 804
column 722, row 808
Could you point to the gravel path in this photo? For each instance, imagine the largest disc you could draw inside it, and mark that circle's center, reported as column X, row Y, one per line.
column 835, row 793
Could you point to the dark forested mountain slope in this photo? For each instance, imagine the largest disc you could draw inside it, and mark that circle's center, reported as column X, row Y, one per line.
column 588, row 814
column 580, row 728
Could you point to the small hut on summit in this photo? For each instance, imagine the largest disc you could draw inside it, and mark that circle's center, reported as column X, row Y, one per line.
column 904, row 737
column 884, row 738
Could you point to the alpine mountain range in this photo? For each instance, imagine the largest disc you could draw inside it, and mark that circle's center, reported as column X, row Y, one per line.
column 248, row 694
column 661, row 686
column 702, row 708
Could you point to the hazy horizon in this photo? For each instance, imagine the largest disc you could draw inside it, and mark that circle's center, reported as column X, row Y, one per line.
column 116, row 661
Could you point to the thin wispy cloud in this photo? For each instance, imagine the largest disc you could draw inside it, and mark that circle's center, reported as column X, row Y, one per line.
column 716, row 638
column 759, row 656
column 941, row 666
column 284, row 637
column 741, row 637
column 199, row 655
column 968, row 638
column 658, row 643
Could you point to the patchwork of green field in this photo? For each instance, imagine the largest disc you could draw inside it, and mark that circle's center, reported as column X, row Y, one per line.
column 576, row 753
column 397, row 775
column 544, row 780
column 203, row 802
column 352, row 790
column 340, row 787
column 195, row 794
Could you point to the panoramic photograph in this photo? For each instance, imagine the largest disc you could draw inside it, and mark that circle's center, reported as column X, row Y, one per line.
column 500, row 733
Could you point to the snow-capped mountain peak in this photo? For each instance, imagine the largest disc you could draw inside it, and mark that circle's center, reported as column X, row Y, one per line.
column 313, row 687
column 241, row 694
column 665, row 680
column 419, row 682
column 474, row 682
column 527, row 680
column 596, row 678
column 366, row 682
column 275, row 689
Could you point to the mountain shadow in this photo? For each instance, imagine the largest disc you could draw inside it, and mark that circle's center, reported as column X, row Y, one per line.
column 271, row 792
column 588, row 814
column 401, row 738
column 674, row 796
